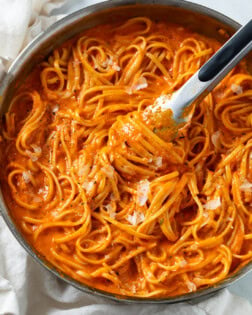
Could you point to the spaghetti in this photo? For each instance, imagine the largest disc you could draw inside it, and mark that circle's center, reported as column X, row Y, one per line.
column 106, row 198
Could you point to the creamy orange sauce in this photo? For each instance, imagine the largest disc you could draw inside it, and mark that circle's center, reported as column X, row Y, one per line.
column 106, row 197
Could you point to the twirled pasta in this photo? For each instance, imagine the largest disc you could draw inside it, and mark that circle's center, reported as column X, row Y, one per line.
column 100, row 193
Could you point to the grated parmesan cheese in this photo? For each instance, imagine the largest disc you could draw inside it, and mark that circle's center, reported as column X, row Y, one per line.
column 143, row 188
column 140, row 84
column 55, row 108
column 44, row 191
column 108, row 170
column 105, row 63
column 246, row 186
column 183, row 263
column 237, row 89
column 36, row 149
column 159, row 161
column 126, row 128
column 132, row 219
column 110, row 62
column 27, row 176
column 215, row 138
column 141, row 217
column 191, row 286
column 33, row 157
column 114, row 65
column 110, row 211
column 205, row 214
column 136, row 218
column 34, row 227
column 83, row 170
column 213, row 204
column 88, row 186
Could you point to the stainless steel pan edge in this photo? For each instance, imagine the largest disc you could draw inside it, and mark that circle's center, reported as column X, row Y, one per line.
column 35, row 52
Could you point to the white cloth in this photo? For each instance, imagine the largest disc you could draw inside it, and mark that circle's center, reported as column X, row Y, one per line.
column 25, row 287
column 20, row 22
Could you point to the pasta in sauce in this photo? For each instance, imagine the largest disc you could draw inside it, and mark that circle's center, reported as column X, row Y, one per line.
column 106, row 198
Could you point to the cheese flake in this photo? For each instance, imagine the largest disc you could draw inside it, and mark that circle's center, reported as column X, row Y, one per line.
column 159, row 161
column 215, row 138
column 183, row 263
column 83, row 170
column 108, row 170
column 31, row 155
column 191, row 286
column 110, row 211
column 55, row 108
column 237, row 89
column 27, row 176
column 143, row 188
column 246, row 186
column 88, row 186
column 36, row 149
column 136, row 218
column 213, row 204
column 140, row 84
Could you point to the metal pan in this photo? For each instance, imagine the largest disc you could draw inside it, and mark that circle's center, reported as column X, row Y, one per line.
column 194, row 16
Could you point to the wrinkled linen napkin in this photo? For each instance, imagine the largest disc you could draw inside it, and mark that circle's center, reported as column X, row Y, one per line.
column 25, row 287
